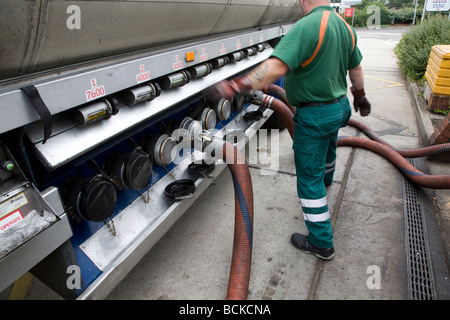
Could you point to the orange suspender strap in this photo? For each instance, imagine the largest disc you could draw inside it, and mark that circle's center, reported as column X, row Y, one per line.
column 349, row 29
column 323, row 27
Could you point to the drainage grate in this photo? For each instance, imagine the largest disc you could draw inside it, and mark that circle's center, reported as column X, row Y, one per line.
column 420, row 272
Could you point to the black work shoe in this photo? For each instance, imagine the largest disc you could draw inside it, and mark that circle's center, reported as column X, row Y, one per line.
column 301, row 242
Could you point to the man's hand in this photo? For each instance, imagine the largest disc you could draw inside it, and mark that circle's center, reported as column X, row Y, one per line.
column 360, row 103
column 228, row 89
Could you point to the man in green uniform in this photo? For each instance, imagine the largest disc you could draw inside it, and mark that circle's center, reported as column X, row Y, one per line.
column 315, row 56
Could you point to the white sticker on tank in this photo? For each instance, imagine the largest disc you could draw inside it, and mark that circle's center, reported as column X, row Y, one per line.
column 12, row 204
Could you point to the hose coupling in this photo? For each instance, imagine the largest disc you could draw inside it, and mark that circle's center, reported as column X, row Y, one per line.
column 262, row 99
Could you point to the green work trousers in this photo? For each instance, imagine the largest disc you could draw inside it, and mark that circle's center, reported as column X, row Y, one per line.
column 315, row 139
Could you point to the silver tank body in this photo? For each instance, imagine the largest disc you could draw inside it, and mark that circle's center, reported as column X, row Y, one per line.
column 38, row 35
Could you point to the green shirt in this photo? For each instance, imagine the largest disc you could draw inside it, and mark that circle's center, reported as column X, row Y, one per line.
column 325, row 77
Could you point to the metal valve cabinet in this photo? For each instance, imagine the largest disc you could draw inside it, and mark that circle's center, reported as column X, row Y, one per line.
column 93, row 97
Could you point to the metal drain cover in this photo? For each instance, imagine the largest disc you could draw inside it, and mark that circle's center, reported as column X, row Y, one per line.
column 421, row 284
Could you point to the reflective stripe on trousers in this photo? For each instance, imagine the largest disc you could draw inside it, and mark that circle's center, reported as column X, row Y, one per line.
column 315, row 137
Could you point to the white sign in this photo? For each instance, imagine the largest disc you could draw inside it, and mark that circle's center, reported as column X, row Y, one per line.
column 438, row 5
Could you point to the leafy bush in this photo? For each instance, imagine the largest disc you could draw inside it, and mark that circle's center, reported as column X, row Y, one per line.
column 414, row 48
column 405, row 15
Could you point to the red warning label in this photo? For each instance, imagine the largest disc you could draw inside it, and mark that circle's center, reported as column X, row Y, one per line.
column 9, row 220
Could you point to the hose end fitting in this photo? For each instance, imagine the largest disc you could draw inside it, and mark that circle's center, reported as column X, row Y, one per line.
column 262, row 99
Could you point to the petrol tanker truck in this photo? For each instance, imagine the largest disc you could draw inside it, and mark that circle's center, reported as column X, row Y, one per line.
column 96, row 98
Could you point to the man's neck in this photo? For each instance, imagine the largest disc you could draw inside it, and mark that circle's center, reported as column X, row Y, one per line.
column 311, row 5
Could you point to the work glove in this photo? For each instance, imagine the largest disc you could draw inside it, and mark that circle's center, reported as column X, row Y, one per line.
column 360, row 102
column 228, row 89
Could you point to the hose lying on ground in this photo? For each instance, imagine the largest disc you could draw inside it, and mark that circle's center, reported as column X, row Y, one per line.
column 415, row 153
column 405, row 167
column 382, row 148
column 243, row 228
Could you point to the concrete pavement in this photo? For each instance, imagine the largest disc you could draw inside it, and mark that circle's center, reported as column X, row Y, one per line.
column 192, row 260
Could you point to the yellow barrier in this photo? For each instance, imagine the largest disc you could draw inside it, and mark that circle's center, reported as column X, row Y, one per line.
column 438, row 70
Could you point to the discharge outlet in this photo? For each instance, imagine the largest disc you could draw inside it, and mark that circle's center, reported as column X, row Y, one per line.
column 220, row 62
column 174, row 80
column 129, row 170
column 161, row 148
column 91, row 113
column 143, row 93
column 200, row 70
column 208, row 119
column 89, row 199
column 223, row 109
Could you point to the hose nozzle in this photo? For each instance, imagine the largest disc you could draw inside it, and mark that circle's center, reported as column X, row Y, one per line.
column 262, row 99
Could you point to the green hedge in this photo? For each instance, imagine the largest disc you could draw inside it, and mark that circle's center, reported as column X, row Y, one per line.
column 405, row 15
column 414, row 48
column 387, row 16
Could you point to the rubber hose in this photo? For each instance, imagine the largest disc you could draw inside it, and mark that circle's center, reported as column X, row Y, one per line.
column 279, row 107
column 280, row 93
column 243, row 228
column 405, row 167
column 415, row 153
column 285, row 114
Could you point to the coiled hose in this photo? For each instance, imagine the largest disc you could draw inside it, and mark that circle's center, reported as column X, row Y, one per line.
column 243, row 226
column 382, row 148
